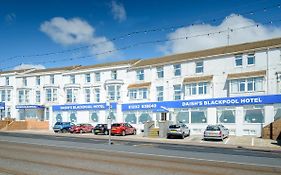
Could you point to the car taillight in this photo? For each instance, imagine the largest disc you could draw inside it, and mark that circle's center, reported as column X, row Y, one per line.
column 220, row 133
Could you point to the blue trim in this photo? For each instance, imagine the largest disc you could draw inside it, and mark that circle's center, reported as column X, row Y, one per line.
column 2, row 106
column 81, row 107
column 29, row 107
column 212, row 102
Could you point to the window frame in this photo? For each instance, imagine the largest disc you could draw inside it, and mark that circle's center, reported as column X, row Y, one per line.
column 238, row 57
column 177, row 70
column 199, row 69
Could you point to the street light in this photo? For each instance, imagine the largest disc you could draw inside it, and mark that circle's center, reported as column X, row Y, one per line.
column 109, row 122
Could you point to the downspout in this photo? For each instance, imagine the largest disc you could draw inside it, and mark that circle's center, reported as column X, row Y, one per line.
column 267, row 73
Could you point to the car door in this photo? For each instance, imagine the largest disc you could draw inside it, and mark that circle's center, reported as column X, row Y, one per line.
column 130, row 128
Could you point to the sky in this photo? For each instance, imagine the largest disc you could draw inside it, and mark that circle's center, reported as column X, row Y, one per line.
column 57, row 33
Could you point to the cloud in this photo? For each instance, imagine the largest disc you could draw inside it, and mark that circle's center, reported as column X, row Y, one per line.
column 11, row 17
column 76, row 31
column 249, row 34
column 29, row 66
column 118, row 11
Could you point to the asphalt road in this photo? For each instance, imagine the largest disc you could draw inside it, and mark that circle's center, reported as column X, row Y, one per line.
column 54, row 154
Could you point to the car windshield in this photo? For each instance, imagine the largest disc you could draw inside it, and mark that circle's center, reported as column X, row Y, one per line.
column 116, row 125
column 58, row 123
column 174, row 126
column 213, row 128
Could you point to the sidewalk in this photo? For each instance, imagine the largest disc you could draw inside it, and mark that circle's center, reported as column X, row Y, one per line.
column 246, row 142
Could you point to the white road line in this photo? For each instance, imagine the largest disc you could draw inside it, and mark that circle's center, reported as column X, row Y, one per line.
column 252, row 141
column 227, row 140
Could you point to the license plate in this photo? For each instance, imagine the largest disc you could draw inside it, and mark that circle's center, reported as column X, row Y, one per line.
column 97, row 130
column 173, row 131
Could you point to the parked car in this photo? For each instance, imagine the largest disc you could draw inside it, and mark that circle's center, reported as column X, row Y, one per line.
column 62, row 127
column 101, row 129
column 179, row 130
column 122, row 129
column 82, row 128
column 216, row 132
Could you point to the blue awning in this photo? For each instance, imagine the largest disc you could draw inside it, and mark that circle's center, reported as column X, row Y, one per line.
column 29, row 107
column 161, row 109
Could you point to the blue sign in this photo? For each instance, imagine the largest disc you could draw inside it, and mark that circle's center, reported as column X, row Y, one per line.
column 2, row 106
column 29, row 107
column 213, row 102
column 79, row 107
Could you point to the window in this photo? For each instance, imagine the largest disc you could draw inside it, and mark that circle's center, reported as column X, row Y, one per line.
column 140, row 74
column 144, row 117
column 37, row 80
column 73, row 117
column 247, row 85
column 87, row 78
column 199, row 116
column 199, row 67
column 97, row 95
column 160, row 93
column 23, row 96
column 177, row 92
column 201, row 88
column 131, row 118
column 38, row 97
column 52, row 79
column 160, row 72
column 97, row 76
column 87, row 95
column 177, row 70
column 141, row 93
column 254, row 115
column 251, row 59
column 113, row 92
column 5, row 95
column 7, row 81
column 238, row 60
column 226, row 115
column 71, row 95
column 94, row 117
column 182, row 117
column 133, row 94
column 72, row 79
column 114, row 74
column 51, row 95
column 8, row 95
column 24, row 81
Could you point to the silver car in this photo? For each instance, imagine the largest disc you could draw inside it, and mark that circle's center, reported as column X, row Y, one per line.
column 216, row 132
column 180, row 130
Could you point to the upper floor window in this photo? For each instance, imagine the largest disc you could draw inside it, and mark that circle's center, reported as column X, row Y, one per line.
column 23, row 96
column 87, row 78
column 200, row 88
column 238, row 60
column 5, row 95
column 97, row 76
column 177, row 70
column 51, row 94
column 114, row 74
column 177, row 92
column 251, row 59
column 38, row 96
column 247, row 85
column 113, row 92
column 160, row 72
column 37, row 80
column 72, row 79
column 141, row 93
column 199, row 67
column 97, row 95
column 140, row 74
column 160, row 93
column 71, row 95
column 87, row 95
column 24, row 81
column 7, row 81
column 52, row 79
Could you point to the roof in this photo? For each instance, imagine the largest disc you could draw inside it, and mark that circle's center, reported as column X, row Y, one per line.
column 118, row 63
column 14, row 71
column 68, row 68
column 247, row 74
column 197, row 79
column 139, row 85
column 233, row 49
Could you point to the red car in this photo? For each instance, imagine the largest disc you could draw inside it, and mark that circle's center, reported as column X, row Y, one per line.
column 81, row 128
column 122, row 129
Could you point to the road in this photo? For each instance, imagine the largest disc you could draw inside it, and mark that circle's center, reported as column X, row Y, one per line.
column 53, row 154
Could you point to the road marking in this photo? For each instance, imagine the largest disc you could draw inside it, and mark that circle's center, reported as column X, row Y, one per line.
column 227, row 140
column 252, row 141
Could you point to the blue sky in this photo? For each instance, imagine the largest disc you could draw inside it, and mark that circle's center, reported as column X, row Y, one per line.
column 29, row 28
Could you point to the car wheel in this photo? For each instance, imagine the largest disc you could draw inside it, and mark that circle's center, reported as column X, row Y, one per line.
column 64, row 131
column 81, row 131
column 106, row 132
column 182, row 136
column 123, row 133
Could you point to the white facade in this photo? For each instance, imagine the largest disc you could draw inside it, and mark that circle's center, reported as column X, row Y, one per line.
column 241, row 72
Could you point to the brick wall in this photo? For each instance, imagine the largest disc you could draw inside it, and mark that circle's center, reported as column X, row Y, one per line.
column 272, row 131
column 28, row 124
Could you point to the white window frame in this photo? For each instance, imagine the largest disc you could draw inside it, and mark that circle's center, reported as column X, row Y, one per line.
column 253, row 57
column 160, row 93
column 177, row 92
column 199, row 69
column 87, row 93
column 177, row 70
column 97, row 94
column 38, row 80
column 53, row 94
column 238, row 57
column 87, row 78
column 247, row 82
column 114, row 74
column 160, row 71
column 37, row 96
column 140, row 74
column 97, row 76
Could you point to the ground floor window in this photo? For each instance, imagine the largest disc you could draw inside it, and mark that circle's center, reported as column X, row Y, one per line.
column 198, row 116
column 144, row 117
column 112, row 115
column 131, row 118
column 254, row 114
column 73, row 117
column 277, row 112
column 182, row 117
column 225, row 115
column 94, row 117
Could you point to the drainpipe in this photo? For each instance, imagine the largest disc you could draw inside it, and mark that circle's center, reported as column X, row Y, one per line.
column 267, row 73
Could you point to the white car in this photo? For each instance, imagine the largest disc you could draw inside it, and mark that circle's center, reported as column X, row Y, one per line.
column 180, row 130
column 216, row 132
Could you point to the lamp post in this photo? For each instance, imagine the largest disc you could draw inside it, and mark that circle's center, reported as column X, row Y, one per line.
column 109, row 122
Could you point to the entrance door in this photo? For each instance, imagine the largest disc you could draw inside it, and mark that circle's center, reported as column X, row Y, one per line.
column 163, row 116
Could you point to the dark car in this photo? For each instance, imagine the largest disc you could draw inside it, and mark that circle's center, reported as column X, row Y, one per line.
column 62, row 127
column 101, row 129
column 122, row 129
column 82, row 128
